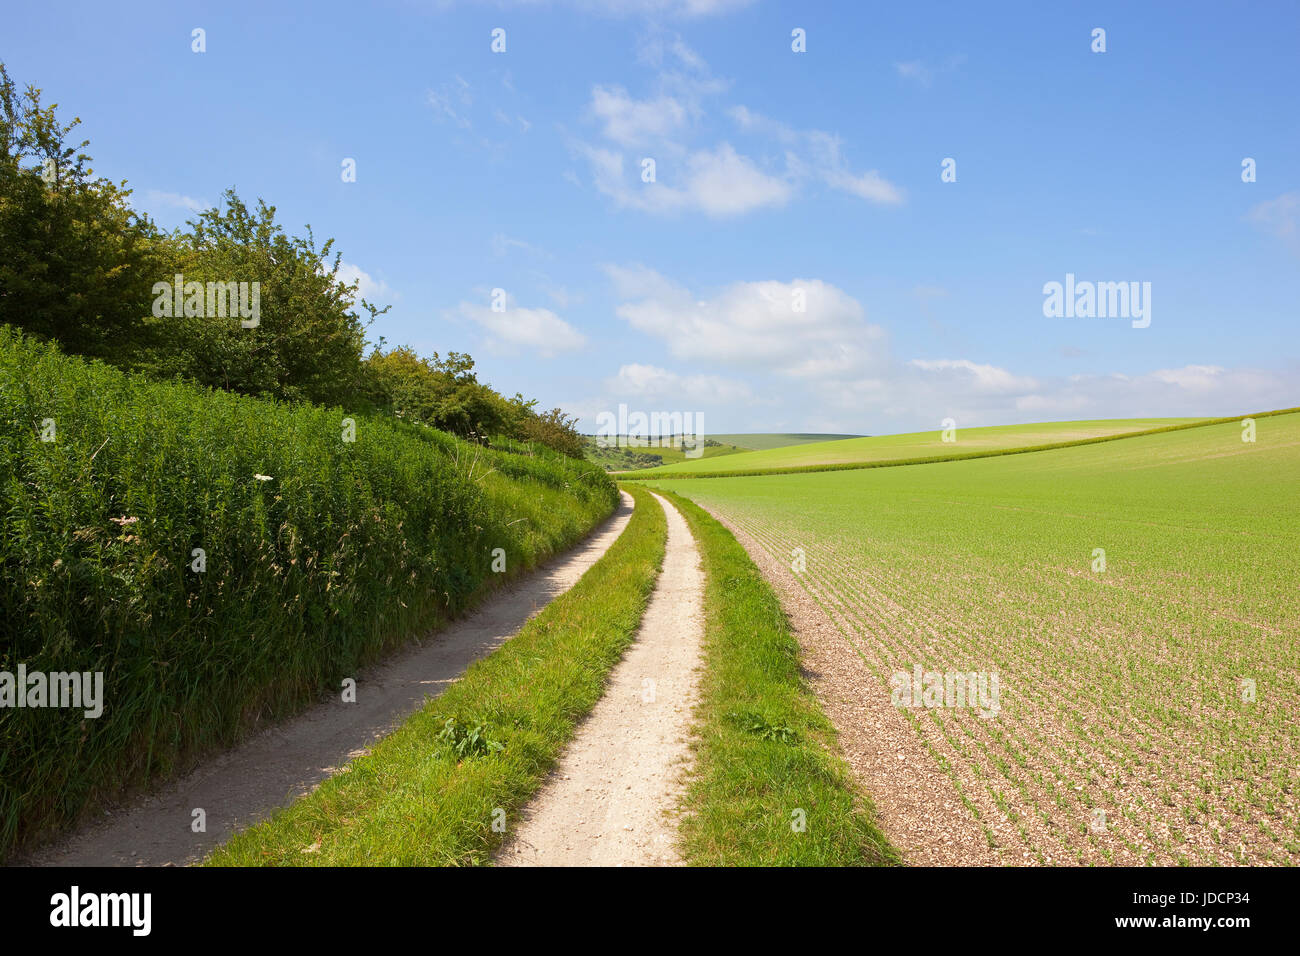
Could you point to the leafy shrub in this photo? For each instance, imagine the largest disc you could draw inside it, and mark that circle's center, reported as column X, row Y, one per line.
column 469, row 739
column 763, row 728
column 75, row 253
column 309, row 341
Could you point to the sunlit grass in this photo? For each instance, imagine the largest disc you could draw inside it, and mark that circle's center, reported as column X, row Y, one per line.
column 319, row 553
column 415, row 800
column 767, row 790
column 1122, row 690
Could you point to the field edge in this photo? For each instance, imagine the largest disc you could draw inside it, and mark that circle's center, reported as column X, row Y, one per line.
column 769, row 787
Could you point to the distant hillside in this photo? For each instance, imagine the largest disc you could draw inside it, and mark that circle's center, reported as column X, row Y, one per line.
column 636, row 453
column 761, row 441
column 630, row 456
column 856, row 452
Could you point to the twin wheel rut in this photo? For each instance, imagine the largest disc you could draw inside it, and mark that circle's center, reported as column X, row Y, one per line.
column 607, row 803
column 610, row 800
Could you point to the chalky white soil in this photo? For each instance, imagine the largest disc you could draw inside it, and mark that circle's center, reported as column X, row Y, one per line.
column 612, row 799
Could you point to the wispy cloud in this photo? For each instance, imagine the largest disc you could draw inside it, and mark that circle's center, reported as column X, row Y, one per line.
column 683, row 9
column 503, row 245
column 539, row 331
column 925, row 73
column 452, row 101
column 718, row 180
column 817, row 154
column 369, row 288
column 158, row 199
column 1280, row 217
column 654, row 384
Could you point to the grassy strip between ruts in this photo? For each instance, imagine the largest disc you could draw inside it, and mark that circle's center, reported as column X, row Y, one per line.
column 430, row 793
column 766, row 789
column 931, row 459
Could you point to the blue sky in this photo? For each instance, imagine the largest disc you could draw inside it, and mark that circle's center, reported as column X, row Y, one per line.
column 776, row 172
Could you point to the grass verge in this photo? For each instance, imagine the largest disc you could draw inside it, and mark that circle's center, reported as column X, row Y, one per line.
column 764, row 763
column 430, row 793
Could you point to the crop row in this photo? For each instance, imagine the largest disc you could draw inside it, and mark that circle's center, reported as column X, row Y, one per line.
column 1158, row 688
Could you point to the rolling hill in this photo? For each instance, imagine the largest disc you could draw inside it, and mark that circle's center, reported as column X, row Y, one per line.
column 864, row 452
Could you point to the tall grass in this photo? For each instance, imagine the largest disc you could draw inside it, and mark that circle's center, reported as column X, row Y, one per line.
column 422, row 799
column 342, row 549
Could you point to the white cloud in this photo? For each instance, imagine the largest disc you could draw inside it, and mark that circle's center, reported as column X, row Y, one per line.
column 828, row 364
column 1190, row 376
column 1192, row 390
column 537, row 330
column 561, row 295
column 651, row 383
column 921, row 392
column 870, row 186
column 631, row 122
column 505, row 119
column 1281, row 217
column 818, row 154
column 503, row 244
column 751, row 324
column 685, row 9
column 369, row 288
column 682, row 73
column 724, row 183
column 157, row 198
column 983, row 378
column 924, row 73
column 657, row 47
column 717, row 182
column 915, row 70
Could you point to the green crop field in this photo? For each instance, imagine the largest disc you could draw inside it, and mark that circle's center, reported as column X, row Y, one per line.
column 1148, row 695
column 636, row 457
column 677, row 456
column 966, row 442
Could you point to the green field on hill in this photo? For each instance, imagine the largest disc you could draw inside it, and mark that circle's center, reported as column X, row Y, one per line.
column 883, row 448
column 1137, row 599
column 634, row 456
column 761, row 441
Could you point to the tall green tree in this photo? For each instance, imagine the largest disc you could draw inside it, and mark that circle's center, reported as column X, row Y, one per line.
column 72, row 251
column 309, row 342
